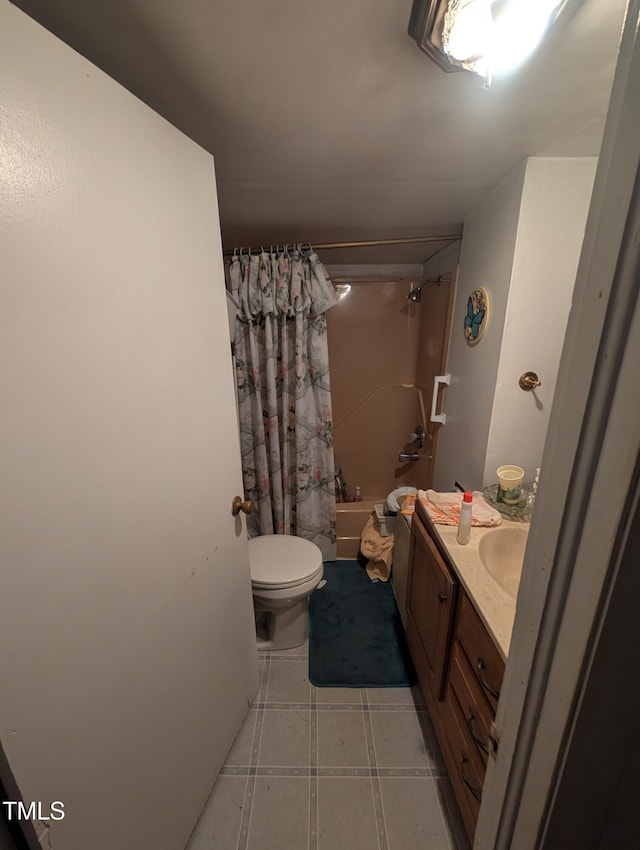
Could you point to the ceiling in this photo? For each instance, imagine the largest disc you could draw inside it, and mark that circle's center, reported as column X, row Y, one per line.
column 327, row 123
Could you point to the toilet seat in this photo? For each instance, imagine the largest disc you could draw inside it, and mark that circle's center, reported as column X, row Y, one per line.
column 264, row 585
column 283, row 561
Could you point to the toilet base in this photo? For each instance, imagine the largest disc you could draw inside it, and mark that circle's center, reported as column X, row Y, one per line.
column 283, row 628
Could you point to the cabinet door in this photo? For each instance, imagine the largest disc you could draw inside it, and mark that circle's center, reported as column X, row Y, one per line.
column 430, row 609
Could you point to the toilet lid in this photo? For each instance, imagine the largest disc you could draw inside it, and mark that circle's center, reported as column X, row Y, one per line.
column 282, row 559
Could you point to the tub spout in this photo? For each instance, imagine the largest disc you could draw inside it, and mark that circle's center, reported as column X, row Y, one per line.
column 403, row 457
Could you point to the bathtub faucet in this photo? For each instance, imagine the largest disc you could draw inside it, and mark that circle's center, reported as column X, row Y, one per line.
column 403, row 457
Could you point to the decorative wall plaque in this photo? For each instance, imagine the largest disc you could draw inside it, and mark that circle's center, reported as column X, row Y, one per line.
column 477, row 316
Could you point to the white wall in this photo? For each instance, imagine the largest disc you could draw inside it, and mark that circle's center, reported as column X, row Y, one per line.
column 486, row 259
column 522, row 243
column 444, row 261
column 553, row 214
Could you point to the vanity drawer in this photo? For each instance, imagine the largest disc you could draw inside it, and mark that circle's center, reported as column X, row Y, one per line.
column 466, row 769
column 477, row 713
column 485, row 660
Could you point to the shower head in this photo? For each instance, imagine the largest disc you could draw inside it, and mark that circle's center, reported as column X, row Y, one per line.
column 416, row 294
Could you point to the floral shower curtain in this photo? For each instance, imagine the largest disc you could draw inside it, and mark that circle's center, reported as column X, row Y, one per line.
column 284, row 398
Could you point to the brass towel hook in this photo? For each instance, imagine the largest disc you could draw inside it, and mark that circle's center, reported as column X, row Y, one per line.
column 529, row 381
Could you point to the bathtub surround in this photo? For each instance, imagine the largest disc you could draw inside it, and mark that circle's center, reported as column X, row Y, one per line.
column 384, row 351
column 351, row 518
column 284, row 395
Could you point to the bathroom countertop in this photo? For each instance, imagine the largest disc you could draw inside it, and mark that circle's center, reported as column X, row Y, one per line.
column 496, row 608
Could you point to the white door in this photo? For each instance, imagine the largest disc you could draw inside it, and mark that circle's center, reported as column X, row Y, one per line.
column 127, row 646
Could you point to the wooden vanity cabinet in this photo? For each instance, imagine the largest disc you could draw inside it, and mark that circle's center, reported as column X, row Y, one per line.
column 459, row 667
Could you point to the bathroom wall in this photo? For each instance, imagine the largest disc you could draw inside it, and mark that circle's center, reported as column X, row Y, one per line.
column 522, row 243
column 380, row 347
column 373, row 346
column 553, row 216
column 486, row 259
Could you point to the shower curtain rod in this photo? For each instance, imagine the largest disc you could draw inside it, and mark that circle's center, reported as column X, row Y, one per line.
column 367, row 243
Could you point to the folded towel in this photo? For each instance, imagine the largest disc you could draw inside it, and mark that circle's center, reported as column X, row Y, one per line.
column 378, row 549
column 444, row 508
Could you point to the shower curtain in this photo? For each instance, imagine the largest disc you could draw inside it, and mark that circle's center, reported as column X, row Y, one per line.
column 284, row 398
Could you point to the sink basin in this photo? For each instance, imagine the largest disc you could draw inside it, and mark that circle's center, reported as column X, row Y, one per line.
column 502, row 553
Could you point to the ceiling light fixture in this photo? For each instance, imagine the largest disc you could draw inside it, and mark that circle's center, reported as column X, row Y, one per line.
column 483, row 36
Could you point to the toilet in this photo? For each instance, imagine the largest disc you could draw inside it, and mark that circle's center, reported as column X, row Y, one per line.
column 285, row 570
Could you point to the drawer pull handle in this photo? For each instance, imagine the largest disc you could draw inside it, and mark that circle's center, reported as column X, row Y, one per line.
column 442, row 597
column 473, row 790
column 478, row 740
column 481, row 666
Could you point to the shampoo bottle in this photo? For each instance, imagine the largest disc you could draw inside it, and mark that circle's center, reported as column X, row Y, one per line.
column 464, row 524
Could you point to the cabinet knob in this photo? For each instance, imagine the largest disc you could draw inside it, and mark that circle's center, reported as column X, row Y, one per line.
column 442, row 597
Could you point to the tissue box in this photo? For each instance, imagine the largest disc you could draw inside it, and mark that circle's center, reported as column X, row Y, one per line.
column 387, row 523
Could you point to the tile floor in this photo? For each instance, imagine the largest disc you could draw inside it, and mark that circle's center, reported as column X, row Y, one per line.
column 330, row 769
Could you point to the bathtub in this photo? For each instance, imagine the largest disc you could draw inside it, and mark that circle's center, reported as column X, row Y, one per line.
column 351, row 518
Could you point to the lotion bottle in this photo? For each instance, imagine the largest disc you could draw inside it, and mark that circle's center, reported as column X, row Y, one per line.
column 464, row 524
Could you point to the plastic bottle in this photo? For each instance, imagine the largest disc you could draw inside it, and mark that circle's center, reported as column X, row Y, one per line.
column 531, row 496
column 464, row 524
column 357, row 496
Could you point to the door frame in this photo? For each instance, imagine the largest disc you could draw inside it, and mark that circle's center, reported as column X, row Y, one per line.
column 588, row 491
column 14, row 831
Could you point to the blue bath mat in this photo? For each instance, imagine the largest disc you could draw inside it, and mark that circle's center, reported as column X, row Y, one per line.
column 356, row 638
